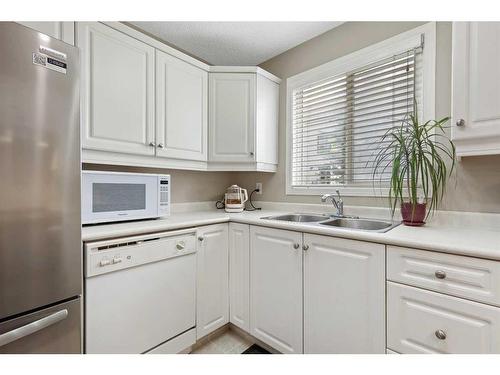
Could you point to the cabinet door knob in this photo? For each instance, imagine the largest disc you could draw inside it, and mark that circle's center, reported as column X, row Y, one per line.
column 200, row 238
column 152, row 144
column 180, row 246
column 440, row 274
column 251, row 153
column 460, row 122
column 440, row 334
column 305, row 247
column 160, row 145
column 296, row 245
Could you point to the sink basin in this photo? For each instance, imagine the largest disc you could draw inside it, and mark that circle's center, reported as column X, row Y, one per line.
column 361, row 224
column 299, row 218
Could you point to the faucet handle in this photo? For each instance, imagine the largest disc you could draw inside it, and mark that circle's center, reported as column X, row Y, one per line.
column 338, row 194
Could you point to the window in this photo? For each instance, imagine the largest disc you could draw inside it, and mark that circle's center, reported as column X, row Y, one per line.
column 338, row 113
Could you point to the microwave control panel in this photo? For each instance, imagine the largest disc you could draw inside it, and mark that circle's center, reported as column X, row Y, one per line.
column 164, row 195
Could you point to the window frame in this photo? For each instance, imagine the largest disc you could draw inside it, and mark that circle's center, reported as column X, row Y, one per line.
column 392, row 46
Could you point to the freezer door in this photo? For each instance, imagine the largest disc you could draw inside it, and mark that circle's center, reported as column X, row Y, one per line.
column 40, row 230
column 50, row 331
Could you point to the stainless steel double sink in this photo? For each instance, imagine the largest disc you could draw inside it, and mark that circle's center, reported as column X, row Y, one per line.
column 355, row 223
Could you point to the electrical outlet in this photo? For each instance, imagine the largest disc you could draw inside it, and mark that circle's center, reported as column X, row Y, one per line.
column 258, row 187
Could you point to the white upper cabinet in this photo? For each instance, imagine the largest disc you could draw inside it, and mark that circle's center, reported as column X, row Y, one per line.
column 243, row 119
column 476, row 88
column 276, row 288
column 146, row 104
column 64, row 31
column 344, row 296
column 232, row 117
column 181, row 109
column 117, row 91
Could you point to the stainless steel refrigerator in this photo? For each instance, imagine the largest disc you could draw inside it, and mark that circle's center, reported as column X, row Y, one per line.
column 40, row 230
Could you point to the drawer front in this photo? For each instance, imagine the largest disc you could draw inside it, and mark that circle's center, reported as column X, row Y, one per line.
column 420, row 321
column 471, row 278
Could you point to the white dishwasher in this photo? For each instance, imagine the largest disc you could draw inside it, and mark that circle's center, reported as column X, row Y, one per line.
column 140, row 293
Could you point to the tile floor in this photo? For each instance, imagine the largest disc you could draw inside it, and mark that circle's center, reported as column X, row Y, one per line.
column 228, row 342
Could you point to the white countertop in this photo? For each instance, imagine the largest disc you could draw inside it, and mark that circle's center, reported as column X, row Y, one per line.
column 456, row 233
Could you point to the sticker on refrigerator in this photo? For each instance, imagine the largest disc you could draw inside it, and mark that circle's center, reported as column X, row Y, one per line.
column 49, row 62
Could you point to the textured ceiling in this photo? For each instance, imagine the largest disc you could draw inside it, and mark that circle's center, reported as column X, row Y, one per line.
column 235, row 43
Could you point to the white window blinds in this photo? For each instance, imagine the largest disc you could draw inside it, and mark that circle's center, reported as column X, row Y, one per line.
column 338, row 123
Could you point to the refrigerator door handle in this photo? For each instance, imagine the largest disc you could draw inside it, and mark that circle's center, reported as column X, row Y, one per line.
column 30, row 328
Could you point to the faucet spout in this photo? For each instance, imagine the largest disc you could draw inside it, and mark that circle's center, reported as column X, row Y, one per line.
column 338, row 203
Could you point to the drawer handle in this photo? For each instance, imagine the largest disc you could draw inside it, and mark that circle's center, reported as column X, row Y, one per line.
column 440, row 274
column 440, row 334
column 180, row 246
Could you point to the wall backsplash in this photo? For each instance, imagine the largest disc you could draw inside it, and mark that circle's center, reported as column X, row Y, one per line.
column 187, row 186
column 477, row 184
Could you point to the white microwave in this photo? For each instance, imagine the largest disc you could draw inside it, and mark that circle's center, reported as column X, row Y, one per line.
column 117, row 196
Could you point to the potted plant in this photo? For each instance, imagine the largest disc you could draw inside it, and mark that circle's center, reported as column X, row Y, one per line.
column 415, row 154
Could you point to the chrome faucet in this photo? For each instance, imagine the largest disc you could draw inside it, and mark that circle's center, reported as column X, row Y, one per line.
column 338, row 203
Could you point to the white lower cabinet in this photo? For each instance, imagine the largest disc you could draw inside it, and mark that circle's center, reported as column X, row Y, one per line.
column 276, row 288
column 344, row 296
column 239, row 275
column 212, row 297
column 421, row 321
column 465, row 277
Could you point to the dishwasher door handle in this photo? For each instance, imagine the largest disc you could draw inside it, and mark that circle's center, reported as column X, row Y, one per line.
column 33, row 327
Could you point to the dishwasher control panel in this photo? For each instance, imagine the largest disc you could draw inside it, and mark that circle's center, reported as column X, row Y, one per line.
column 112, row 255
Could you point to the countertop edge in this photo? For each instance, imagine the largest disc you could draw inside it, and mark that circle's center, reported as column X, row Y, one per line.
column 388, row 238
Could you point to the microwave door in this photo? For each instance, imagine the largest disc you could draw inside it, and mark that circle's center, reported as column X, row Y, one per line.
column 111, row 197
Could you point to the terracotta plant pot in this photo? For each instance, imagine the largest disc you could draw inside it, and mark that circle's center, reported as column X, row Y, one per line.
column 413, row 215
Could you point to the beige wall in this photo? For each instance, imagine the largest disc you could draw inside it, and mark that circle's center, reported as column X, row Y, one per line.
column 477, row 186
column 187, row 186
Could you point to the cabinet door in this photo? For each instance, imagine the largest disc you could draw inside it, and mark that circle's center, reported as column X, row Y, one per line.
column 232, row 117
column 212, row 310
column 181, row 109
column 420, row 321
column 117, row 90
column 276, row 288
column 64, row 31
column 239, row 275
column 476, row 89
column 344, row 296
